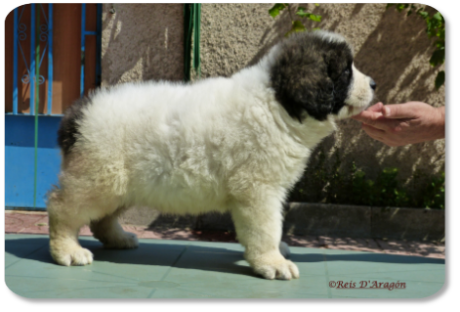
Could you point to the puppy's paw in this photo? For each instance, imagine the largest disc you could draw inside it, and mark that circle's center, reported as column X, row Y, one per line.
column 284, row 250
column 73, row 256
column 276, row 267
column 124, row 240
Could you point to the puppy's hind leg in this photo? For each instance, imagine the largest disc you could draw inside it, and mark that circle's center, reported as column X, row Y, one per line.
column 111, row 234
column 258, row 228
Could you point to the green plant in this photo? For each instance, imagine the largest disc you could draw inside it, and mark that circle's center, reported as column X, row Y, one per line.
column 434, row 192
column 390, row 193
column 435, row 27
column 296, row 24
column 347, row 184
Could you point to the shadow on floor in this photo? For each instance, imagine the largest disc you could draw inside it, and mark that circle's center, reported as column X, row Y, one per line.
column 183, row 255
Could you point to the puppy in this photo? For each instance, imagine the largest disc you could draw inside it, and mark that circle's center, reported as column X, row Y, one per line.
column 235, row 144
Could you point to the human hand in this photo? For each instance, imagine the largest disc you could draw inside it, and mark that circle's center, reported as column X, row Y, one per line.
column 402, row 124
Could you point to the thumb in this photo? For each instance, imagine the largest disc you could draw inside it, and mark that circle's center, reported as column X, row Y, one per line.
column 376, row 108
column 371, row 114
column 398, row 111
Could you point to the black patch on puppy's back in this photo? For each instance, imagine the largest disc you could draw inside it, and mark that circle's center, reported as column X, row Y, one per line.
column 312, row 75
column 68, row 132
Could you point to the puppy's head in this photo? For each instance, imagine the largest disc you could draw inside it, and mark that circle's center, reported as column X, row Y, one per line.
column 313, row 75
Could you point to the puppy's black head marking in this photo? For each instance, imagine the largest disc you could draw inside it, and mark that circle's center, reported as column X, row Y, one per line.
column 312, row 75
column 69, row 129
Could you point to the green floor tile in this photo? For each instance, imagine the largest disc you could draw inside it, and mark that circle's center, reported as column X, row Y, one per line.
column 74, row 288
column 183, row 269
column 340, row 262
column 19, row 248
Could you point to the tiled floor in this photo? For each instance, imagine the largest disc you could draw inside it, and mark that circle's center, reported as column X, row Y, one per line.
column 194, row 269
column 177, row 263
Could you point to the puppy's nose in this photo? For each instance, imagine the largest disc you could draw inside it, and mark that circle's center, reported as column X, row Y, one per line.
column 373, row 84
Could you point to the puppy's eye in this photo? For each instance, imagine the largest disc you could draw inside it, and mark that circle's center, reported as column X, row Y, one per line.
column 346, row 72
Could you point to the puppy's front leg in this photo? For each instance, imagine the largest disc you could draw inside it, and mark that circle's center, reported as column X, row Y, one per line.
column 258, row 228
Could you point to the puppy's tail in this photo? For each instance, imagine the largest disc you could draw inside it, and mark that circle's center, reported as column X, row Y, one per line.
column 69, row 132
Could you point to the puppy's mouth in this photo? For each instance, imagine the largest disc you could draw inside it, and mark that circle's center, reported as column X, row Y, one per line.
column 356, row 110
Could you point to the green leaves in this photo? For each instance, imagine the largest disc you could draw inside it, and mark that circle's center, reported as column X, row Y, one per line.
column 302, row 12
column 297, row 25
column 422, row 13
column 277, row 8
column 402, row 6
column 434, row 195
column 437, row 58
column 440, row 79
column 438, row 17
column 435, row 27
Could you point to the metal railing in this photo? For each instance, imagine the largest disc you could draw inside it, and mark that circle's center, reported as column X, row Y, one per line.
column 85, row 33
column 45, row 35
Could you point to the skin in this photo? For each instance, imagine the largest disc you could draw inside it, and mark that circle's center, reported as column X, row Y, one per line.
column 402, row 124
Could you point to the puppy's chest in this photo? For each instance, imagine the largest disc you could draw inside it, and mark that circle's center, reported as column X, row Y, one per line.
column 278, row 165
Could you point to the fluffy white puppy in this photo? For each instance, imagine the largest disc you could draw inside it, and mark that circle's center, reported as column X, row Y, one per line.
column 234, row 144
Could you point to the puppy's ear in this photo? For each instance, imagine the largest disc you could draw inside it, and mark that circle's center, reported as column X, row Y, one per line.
column 332, row 59
column 299, row 77
column 325, row 97
column 302, row 86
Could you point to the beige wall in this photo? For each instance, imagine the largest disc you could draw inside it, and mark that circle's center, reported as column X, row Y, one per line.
column 143, row 42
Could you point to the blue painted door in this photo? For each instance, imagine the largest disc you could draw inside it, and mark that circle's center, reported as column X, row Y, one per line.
column 20, row 155
column 48, row 61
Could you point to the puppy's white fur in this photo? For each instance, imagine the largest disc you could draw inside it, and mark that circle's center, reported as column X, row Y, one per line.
column 221, row 144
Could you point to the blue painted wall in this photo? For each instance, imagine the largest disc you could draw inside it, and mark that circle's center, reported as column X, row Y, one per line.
column 19, row 159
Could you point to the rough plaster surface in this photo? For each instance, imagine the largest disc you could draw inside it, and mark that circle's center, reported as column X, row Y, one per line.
column 142, row 42
column 145, row 41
